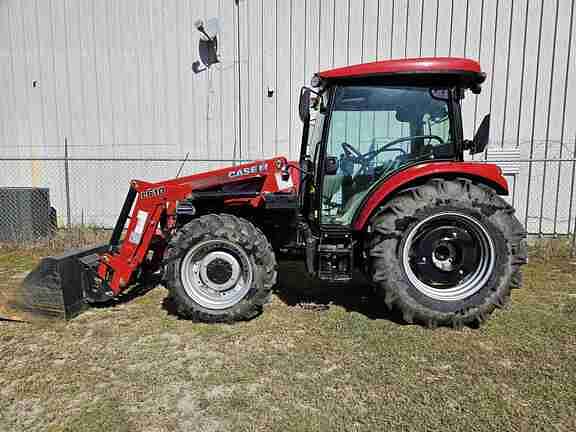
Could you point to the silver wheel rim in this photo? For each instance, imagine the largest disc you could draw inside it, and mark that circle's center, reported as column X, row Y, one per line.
column 216, row 274
column 442, row 257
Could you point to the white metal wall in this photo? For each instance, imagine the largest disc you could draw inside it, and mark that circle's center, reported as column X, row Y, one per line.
column 115, row 79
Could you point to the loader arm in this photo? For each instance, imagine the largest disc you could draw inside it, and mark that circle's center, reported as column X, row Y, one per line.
column 147, row 203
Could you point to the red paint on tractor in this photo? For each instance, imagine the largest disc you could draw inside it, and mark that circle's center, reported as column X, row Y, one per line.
column 435, row 65
column 487, row 173
column 154, row 199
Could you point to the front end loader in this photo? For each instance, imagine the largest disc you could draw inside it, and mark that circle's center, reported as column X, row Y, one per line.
column 64, row 286
column 381, row 187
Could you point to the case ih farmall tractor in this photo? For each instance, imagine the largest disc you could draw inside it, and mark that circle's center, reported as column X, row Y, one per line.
column 381, row 186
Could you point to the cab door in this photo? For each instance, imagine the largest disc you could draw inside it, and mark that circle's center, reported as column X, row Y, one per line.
column 374, row 132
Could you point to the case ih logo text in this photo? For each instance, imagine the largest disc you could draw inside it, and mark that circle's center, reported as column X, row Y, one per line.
column 152, row 193
column 254, row 169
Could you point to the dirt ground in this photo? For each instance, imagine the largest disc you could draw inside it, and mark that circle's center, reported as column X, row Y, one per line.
column 346, row 366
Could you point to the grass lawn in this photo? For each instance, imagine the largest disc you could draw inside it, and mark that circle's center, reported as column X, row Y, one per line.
column 349, row 366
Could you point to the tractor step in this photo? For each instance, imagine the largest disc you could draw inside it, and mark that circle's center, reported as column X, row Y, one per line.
column 335, row 255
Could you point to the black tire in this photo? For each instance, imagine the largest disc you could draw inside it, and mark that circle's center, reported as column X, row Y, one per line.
column 413, row 207
column 250, row 242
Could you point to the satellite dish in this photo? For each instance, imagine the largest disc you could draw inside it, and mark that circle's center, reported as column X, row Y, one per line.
column 208, row 51
column 208, row 43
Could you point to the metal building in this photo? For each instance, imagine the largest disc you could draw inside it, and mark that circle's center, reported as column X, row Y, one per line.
column 115, row 80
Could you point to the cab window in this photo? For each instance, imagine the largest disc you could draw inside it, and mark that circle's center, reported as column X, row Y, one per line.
column 375, row 131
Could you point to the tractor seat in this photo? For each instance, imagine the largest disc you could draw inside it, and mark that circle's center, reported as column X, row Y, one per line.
column 332, row 184
column 345, row 218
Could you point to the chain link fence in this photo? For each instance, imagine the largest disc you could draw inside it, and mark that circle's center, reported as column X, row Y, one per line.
column 68, row 201
column 41, row 196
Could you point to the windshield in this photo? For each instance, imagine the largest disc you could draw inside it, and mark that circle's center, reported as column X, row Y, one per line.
column 375, row 131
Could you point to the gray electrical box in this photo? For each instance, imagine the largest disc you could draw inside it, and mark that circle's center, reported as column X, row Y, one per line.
column 26, row 214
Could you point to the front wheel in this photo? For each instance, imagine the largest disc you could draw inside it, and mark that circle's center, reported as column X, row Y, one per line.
column 222, row 269
column 446, row 253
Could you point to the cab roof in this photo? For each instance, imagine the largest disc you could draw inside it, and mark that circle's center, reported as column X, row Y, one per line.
column 465, row 71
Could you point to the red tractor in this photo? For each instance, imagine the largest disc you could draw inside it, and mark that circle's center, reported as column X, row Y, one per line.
column 381, row 186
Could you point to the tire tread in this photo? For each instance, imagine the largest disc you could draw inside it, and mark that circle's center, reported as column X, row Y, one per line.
column 239, row 231
column 389, row 225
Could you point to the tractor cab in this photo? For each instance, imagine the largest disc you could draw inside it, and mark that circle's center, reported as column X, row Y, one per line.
column 365, row 124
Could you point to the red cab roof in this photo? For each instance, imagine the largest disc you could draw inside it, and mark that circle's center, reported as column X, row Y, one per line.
column 422, row 65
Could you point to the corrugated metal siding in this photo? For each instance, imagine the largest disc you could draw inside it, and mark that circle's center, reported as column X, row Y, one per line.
column 115, row 78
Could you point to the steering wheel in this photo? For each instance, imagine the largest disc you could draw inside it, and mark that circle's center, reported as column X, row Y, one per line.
column 365, row 159
column 351, row 152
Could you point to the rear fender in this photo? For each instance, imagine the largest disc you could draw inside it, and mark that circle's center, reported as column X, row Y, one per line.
column 488, row 174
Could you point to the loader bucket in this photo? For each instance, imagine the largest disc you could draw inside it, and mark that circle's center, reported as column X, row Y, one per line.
column 53, row 290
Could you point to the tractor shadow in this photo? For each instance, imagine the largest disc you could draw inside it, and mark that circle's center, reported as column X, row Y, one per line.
column 296, row 288
column 134, row 292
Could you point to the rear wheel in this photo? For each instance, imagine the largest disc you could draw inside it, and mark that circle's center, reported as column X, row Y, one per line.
column 222, row 269
column 446, row 253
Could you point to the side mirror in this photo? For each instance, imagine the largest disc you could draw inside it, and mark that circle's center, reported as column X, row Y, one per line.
column 480, row 141
column 331, row 167
column 304, row 105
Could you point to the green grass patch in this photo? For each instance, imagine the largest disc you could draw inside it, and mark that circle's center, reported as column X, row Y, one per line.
column 137, row 367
